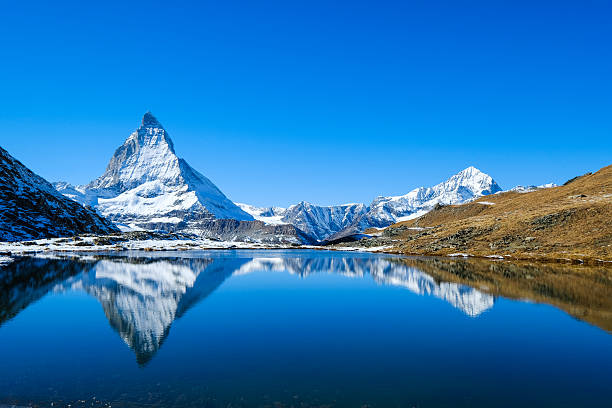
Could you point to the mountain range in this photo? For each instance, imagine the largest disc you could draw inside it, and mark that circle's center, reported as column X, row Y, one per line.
column 334, row 222
column 146, row 186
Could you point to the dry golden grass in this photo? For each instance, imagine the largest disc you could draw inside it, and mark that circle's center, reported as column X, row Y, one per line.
column 571, row 222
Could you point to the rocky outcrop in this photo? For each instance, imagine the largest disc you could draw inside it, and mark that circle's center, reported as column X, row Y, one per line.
column 31, row 208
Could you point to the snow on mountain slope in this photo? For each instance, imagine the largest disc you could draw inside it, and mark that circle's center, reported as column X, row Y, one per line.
column 146, row 186
column 529, row 189
column 315, row 220
column 321, row 221
column 464, row 186
column 269, row 215
column 31, row 208
column 333, row 222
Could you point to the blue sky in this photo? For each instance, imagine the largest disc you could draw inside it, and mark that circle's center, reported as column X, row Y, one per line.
column 278, row 102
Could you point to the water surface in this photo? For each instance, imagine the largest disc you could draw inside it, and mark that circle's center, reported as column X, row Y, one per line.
column 300, row 329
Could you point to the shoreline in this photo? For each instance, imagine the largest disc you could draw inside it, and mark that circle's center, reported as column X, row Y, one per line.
column 52, row 246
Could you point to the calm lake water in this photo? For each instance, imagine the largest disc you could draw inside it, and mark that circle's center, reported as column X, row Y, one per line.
column 301, row 329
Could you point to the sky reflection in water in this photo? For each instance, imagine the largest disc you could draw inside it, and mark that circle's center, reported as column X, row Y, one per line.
column 255, row 328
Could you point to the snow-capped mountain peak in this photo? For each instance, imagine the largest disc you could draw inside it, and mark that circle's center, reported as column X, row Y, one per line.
column 472, row 182
column 464, row 186
column 146, row 185
column 337, row 221
column 146, row 155
column 459, row 188
column 150, row 121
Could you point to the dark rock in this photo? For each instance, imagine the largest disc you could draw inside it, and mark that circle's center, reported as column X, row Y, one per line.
column 31, row 208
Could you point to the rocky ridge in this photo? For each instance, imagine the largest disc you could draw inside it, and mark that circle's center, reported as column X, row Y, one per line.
column 31, row 208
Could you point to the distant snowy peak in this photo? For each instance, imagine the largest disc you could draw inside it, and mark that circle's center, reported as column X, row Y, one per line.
column 150, row 121
column 147, row 155
column 269, row 215
column 322, row 221
column 528, row 189
column 315, row 220
column 333, row 222
column 147, row 186
column 462, row 187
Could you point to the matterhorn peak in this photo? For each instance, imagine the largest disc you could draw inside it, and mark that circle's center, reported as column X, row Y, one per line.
column 147, row 186
column 470, row 170
column 150, row 121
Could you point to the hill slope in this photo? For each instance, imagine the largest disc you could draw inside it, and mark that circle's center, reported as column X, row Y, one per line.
column 30, row 208
column 572, row 221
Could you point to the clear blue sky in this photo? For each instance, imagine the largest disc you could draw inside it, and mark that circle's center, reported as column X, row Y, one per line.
column 278, row 102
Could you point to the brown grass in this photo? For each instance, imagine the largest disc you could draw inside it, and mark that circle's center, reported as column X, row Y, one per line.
column 572, row 222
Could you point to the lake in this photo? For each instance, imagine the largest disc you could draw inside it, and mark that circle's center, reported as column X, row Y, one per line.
column 302, row 328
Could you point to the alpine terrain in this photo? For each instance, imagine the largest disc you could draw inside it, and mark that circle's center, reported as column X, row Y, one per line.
column 569, row 223
column 30, row 208
column 146, row 186
column 334, row 222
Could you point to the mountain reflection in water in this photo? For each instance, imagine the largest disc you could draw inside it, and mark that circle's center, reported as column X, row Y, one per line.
column 142, row 295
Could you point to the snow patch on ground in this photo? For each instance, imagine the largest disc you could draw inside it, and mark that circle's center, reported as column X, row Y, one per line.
column 87, row 244
column 529, row 189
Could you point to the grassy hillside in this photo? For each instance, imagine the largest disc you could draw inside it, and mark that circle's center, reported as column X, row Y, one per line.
column 570, row 222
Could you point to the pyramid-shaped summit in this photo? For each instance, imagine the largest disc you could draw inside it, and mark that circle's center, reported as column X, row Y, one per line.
column 148, row 120
column 147, row 186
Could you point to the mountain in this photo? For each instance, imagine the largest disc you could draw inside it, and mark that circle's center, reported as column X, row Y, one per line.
column 31, row 208
column 464, row 186
column 335, row 222
column 529, row 189
column 147, row 186
column 268, row 215
column 568, row 223
column 315, row 220
column 320, row 221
